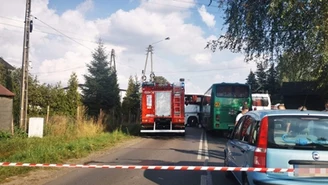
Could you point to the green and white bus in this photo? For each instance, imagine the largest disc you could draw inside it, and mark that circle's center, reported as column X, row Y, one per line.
column 222, row 102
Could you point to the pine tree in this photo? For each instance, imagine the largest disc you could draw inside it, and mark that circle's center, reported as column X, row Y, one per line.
column 100, row 91
column 72, row 95
column 113, row 98
column 251, row 80
column 261, row 76
column 272, row 80
column 131, row 101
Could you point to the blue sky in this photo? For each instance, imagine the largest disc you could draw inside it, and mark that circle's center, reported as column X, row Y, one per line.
column 104, row 8
column 66, row 32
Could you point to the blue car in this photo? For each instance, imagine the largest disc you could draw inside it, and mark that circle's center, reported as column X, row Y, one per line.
column 291, row 139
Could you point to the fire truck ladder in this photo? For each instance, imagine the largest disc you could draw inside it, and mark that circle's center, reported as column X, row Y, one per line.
column 177, row 106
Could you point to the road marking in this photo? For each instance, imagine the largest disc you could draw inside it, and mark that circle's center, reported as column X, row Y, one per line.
column 209, row 175
column 200, row 148
column 203, row 180
column 206, row 147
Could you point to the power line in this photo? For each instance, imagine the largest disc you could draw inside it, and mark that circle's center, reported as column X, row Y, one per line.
column 181, row 7
column 195, row 3
column 205, row 70
column 41, row 31
column 9, row 18
column 62, row 33
column 11, row 25
column 60, row 70
column 39, row 25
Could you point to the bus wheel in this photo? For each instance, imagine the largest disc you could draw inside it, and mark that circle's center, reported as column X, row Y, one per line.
column 192, row 121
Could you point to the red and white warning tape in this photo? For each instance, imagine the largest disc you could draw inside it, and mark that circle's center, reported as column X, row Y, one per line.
column 182, row 168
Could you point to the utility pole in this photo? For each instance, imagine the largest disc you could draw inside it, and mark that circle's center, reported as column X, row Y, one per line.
column 25, row 63
column 152, row 74
column 150, row 50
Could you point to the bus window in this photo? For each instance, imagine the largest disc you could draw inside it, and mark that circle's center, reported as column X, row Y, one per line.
column 194, row 98
column 232, row 91
column 224, row 91
column 241, row 91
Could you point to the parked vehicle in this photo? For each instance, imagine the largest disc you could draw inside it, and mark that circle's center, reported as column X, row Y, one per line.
column 162, row 108
column 280, row 139
column 261, row 101
column 222, row 103
column 193, row 107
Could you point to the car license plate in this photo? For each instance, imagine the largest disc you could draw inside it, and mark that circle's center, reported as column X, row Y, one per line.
column 311, row 170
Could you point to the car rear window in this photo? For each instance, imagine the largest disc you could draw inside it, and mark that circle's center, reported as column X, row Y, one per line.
column 298, row 132
column 260, row 101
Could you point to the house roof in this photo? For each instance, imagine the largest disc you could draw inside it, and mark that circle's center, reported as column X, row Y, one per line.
column 5, row 92
column 299, row 88
column 6, row 64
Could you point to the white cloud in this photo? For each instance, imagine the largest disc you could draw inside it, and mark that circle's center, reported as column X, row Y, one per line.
column 54, row 56
column 85, row 6
column 206, row 17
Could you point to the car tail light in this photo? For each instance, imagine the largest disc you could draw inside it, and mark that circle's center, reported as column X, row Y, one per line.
column 217, row 117
column 262, row 143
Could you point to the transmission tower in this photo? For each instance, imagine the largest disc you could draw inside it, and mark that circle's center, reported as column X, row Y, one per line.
column 112, row 62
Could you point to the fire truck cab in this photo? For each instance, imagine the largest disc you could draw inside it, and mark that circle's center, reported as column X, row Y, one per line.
column 162, row 107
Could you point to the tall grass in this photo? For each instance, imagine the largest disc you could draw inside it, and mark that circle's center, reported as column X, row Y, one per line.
column 65, row 138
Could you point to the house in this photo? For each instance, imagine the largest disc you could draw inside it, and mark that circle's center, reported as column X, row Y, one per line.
column 6, row 70
column 6, row 109
column 296, row 94
column 6, row 64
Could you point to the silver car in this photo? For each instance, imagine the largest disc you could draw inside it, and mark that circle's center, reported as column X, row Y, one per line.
column 280, row 139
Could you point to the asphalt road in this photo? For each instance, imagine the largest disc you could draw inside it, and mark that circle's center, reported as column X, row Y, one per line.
column 196, row 148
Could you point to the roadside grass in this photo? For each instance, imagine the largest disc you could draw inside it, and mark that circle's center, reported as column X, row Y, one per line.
column 64, row 139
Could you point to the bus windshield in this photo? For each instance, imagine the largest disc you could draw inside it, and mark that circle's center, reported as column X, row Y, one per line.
column 232, row 91
column 193, row 99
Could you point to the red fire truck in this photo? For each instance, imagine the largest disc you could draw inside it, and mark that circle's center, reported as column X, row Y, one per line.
column 162, row 107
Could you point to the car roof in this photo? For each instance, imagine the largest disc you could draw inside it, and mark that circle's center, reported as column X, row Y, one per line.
column 259, row 114
column 260, row 95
